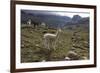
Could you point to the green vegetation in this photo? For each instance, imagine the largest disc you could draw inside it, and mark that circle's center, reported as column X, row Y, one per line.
column 32, row 46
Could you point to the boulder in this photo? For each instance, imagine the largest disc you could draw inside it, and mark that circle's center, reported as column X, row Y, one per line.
column 67, row 58
column 73, row 55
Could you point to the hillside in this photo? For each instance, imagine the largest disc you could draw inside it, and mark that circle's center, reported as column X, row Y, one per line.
column 33, row 50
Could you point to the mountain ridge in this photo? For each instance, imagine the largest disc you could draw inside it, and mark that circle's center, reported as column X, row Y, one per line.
column 53, row 20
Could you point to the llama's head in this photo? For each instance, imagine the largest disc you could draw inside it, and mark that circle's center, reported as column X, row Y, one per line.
column 58, row 31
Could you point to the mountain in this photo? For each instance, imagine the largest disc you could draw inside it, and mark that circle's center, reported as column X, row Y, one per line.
column 76, row 18
column 84, row 20
column 51, row 19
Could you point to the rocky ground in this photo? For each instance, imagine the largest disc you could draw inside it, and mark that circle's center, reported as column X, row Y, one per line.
column 71, row 45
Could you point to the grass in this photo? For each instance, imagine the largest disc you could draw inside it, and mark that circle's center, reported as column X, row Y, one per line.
column 32, row 47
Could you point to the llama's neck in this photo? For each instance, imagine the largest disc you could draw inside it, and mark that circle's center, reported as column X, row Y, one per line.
column 57, row 33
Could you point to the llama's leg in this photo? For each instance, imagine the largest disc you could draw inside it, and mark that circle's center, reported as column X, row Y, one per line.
column 54, row 45
column 48, row 44
column 45, row 43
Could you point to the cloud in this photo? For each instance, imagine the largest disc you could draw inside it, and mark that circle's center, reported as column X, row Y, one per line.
column 61, row 13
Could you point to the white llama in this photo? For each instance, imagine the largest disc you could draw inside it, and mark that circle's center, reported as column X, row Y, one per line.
column 29, row 22
column 51, row 39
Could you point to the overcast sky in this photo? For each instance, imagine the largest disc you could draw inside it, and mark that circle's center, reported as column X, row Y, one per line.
column 61, row 13
column 71, row 14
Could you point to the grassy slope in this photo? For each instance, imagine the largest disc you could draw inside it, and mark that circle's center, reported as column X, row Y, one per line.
column 32, row 48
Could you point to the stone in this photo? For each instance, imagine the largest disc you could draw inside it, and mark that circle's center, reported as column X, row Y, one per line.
column 73, row 55
column 85, row 58
column 67, row 58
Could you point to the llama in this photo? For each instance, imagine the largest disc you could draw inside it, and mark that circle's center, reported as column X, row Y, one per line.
column 29, row 22
column 50, row 39
column 43, row 24
column 35, row 24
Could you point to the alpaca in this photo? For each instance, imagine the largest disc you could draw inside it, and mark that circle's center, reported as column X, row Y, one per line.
column 50, row 39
